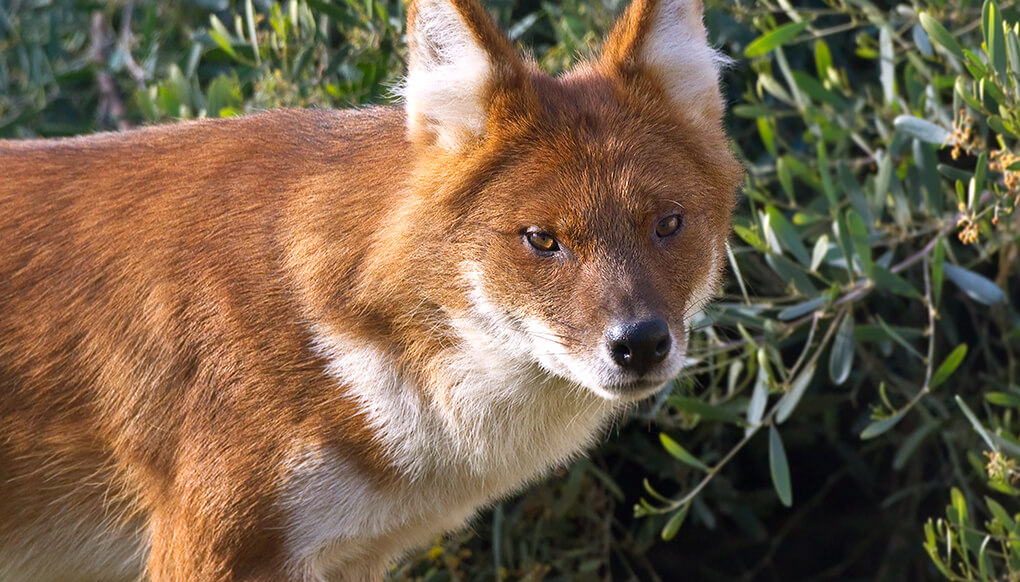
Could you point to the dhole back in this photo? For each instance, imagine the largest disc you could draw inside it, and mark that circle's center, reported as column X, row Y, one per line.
column 295, row 345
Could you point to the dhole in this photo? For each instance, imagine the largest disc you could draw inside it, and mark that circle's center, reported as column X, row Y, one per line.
column 294, row 345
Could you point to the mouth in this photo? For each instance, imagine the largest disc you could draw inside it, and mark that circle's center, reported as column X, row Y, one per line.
column 606, row 378
column 633, row 390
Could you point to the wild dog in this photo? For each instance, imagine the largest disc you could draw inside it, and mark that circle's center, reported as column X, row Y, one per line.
column 294, row 345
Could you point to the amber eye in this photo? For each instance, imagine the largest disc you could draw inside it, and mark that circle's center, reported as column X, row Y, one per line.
column 669, row 225
column 542, row 241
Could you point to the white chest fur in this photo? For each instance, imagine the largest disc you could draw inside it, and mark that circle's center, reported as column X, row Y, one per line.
column 498, row 425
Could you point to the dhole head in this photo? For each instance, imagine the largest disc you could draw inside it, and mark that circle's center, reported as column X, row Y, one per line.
column 584, row 217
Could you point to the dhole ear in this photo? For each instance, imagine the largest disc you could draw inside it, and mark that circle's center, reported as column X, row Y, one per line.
column 665, row 41
column 458, row 61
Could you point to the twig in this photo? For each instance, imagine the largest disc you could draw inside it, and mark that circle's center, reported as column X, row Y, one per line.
column 753, row 430
column 111, row 108
column 137, row 73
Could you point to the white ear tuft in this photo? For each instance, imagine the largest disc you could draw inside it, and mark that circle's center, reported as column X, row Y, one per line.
column 676, row 48
column 448, row 78
column 665, row 40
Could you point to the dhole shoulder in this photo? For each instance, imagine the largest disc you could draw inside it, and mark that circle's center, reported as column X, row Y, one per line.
column 295, row 345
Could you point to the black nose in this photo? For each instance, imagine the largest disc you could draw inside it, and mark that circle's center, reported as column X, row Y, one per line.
column 639, row 345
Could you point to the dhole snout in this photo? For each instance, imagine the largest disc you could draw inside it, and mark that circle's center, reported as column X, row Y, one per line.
column 638, row 346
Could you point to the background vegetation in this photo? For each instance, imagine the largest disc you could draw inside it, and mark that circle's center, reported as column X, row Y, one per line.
column 851, row 412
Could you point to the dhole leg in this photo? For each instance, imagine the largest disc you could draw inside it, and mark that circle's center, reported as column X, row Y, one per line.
column 190, row 547
column 218, row 521
column 367, row 568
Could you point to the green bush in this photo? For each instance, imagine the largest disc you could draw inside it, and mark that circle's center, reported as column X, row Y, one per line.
column 870, row 325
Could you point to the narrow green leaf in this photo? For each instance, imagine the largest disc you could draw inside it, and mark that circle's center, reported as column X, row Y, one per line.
column 680, row 453
column 954, row 173
column 974, row 422
column 803, row 308
column 984, row 562
column 790, row 400
column 884, row 176
column 981, row 171
column 842, row 232
column 966, row 94
column 841, row 358
column 793, row 274
column 823, row 59
column 784, row 67
column 768, row 138
column 896, row 337
column 861, row 241
column 940, row 35
column 1013, row 56
column 736, row 367
column 655, row 494
column 926, row 159
column 853, row 190
column 751, row 111
column 977, row 287
column 801, row 170
column 881, row 426
column 759, row 395
column 774, row 88
column 820, row 250
column 823, row 170
column 221, row 36
column 736, row 272
column 750, row 237
column 641, row 509
column 938, row 263
column 1003, row 399
column 995, row 40
column 999, row 125
column 769, row 233
column 999, row 512
column 779, row 467
column 991, row 94
column 785, row 176
column 959, row 503
column 888, row 280
column 922, row 129
column 673, row 525
column 949, row 365
column 776, row 38
column 788, row 235
column 816, row 90
column 249, row 18
column 887, row 71
column 921, row 40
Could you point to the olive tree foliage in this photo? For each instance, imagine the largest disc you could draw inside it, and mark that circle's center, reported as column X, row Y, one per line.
column 875, row 256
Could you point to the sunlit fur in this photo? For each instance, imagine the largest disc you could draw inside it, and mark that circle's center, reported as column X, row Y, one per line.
column 447, row 82
column 296, row 345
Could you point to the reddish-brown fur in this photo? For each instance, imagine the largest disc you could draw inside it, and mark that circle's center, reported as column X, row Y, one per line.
column 157, row 286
